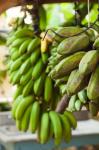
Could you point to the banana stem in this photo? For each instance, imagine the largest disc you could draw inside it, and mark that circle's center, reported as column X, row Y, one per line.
column 63, row 104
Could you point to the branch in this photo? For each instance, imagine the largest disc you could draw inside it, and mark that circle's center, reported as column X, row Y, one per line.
column 6, row 4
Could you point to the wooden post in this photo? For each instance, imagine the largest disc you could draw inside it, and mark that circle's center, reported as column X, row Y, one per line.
column 5, row 4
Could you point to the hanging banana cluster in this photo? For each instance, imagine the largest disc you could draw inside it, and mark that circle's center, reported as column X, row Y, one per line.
column 36, row 97
column 78, row 66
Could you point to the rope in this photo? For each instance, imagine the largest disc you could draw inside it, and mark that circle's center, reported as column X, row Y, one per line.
column 88, row 2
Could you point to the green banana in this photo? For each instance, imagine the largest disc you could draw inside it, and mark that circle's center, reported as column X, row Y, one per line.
column 93, row 108
column 23, row 106
column 45, row 57
column 73, row 44
column 15, row 105
column 71, row 76
column 57, row 126
column 10, row 40
column 18, row 42
column 28, row 88
column 63, row 89
column 13, row 49
column 71, row 119
column 25, row 66
column 35, row 56
column 26, row 77
column 66, row 65
column 82, row 95
column 15, row 55
column 16, row 64
column 93, row 86
column 78, row 105
column 18, row 92
column 61, row 80
column 33, row 45
column 96, row 44
column 67, row 31
column 25, row 32
column 18, row 124
column 26, row 118
column 77, row 83
column 48, row 89
column 24, row 45
column 35, row 116
column 16, row 78
column 39, row 85
column 12, row 75
column 37, row 70
column 66, row 128
column 71, row 105
column 44, row 128
column 89, row 62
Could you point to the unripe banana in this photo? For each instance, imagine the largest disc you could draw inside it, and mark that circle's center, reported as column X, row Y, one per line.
column 16, row 64
column 78, row 82
column 37, row 70
column 67, row 31
column 61, row 80
column 23, row 106
column 26, row 77
column 10, row 40
column 63, row 89
column 44, row 128
column 73, row 44
column 93, row 108
column 33, row 45
column 25, row 32
column 18, row 124
column 26, row 118
column 96, row 44
column 45, row 57
column 24, row 45
column 66, row 128
column 66, row 65
column 11, row 76
column 28, row 88
column 24, row 57
column 71, row 105
column 15, row 105
column 16, row 78
column 35, row 56
column 13, row 49
column 71, row 119
column 93, row 86
column 89, row 62
column 18, row 92
column 15, row 55
column 25, row 66
column 78, row 105
column 39, row 85
column 57, row 127
column 82, row 95
column 35, row 116
column 48, row 89
column 18, row 42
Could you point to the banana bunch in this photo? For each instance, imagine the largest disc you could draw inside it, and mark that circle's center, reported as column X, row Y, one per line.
column 78, row 67
column 27, row 65
column 30, row 117
column 77, row 101
column 36, row 97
